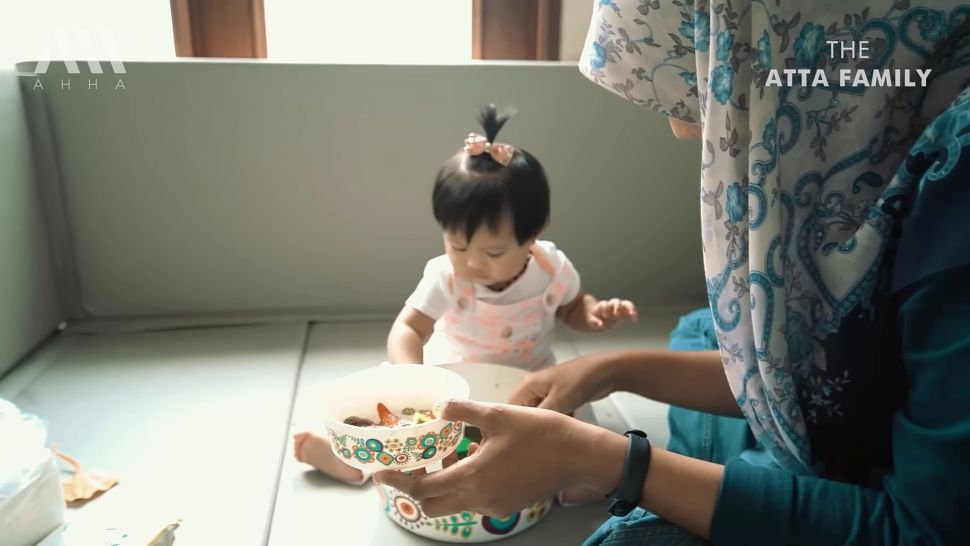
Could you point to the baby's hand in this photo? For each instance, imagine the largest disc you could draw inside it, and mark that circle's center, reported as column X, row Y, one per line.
column 606, row 313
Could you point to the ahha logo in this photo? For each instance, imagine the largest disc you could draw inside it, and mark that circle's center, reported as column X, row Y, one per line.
column 96, row 80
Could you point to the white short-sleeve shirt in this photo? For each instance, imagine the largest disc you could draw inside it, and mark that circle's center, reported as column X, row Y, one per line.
column 431, row 295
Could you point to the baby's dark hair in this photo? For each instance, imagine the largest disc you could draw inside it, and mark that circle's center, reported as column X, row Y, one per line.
column 474, row 189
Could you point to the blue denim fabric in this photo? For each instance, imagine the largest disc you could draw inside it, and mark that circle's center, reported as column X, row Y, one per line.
column 641, row 527
column 693, row 433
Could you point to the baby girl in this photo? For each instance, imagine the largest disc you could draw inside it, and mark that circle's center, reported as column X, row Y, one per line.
column 498, row 290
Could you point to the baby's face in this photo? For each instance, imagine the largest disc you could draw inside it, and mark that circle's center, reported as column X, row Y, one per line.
column 491, row 257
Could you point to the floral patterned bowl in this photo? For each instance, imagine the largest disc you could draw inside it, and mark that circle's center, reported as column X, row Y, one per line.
column 489, row 383
column 395, row 386
column 468, row 527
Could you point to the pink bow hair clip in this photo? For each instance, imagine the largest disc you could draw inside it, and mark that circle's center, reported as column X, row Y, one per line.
column 476, row 144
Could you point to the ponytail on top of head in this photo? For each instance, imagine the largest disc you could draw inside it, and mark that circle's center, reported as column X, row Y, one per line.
column 491, row 122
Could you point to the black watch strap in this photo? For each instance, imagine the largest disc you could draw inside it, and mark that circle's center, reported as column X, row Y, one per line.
column 622, row 500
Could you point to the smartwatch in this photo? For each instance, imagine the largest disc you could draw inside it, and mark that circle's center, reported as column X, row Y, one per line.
column 622, row 500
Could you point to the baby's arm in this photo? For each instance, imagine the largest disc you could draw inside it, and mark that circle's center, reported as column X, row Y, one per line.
column 588, row 314
column 410, row 331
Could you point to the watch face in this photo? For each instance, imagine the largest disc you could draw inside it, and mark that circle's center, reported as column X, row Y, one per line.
column 620, row 507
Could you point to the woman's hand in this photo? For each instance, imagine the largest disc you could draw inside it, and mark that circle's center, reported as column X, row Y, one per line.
column 692, row 379
column 565, row 387
column 527, row 455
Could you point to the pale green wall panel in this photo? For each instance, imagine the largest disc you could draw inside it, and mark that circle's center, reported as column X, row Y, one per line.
column 208, row 187
column 29, row 308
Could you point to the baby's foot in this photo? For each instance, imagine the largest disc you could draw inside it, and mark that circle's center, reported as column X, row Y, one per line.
column 314, row 450
column 579, row 495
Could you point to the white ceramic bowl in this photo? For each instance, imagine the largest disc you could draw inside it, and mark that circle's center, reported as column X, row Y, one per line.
column 395, row 386
column 489, row 383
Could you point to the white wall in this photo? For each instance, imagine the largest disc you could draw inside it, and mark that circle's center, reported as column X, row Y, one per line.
column 83, row 30
column 572, row 31
column 320, row 31
column 375, row 31
column 324, row 31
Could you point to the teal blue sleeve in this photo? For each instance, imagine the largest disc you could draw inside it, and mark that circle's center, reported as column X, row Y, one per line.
column 926, row 500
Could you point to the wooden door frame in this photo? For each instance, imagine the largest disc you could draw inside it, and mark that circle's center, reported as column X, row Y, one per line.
column 536, row 35
column 202, row 29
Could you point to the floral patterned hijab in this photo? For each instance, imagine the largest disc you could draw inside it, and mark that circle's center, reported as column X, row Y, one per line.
column 799, row 205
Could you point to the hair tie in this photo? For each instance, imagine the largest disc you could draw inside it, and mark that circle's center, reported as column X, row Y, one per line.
column 476, row 144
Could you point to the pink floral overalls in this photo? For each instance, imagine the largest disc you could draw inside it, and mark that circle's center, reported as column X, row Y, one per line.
column 517, row 334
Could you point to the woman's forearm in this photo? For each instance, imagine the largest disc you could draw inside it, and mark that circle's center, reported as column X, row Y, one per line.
column 691, row 379
column 679, row 489
column 682, row 490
